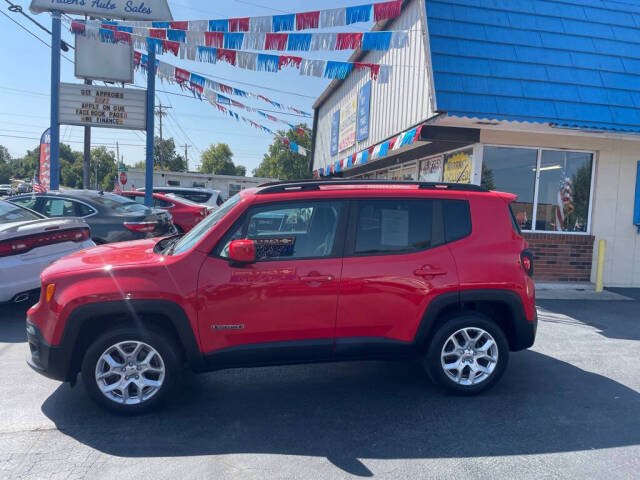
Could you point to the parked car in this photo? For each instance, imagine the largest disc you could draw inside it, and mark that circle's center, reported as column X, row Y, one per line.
column 29, row 242
column 210, row 198
column 185, row 214
column 112, row 218
column 6, row 189
column 293, row 273
column 23, row 188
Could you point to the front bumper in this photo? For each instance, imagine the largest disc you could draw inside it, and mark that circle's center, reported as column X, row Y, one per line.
column 50, row 361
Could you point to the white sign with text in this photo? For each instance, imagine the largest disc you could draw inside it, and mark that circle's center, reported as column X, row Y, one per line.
column 109, row 107
column 124, row 9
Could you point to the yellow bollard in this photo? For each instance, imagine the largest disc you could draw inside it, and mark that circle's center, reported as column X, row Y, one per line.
column 602, row 249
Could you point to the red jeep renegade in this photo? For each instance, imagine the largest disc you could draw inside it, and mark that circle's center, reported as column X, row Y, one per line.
column 294, row 273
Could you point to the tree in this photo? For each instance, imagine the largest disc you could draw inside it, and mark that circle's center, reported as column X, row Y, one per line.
column 165, row 156
column 103, row 163
column 218, row 160
column 283, row 163
column 5, row 169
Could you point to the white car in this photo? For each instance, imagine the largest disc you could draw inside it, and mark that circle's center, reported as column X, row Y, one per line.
column 212, row 199
column 29, row 242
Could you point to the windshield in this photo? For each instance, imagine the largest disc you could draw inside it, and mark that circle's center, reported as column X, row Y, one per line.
column 118, row 203
column 10, row 213
column 202, row 228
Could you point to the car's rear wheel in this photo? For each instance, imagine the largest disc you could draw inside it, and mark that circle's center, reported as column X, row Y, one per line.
column 129, row 371
column 468, row 354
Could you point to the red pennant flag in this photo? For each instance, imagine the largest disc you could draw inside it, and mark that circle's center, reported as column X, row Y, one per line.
column 225, row 88
column 306, row 20
column 288, row 60
column 239, row 24
column 170, row 46
column 109, row 27
column 182, row 75
column 276, row 41
column 137, row 56
column 122, row 36
column 77, row 27
column 349, row 41
column 226, row 55
column 179, row 25
column 160, row 33
column 214, row 39
column 382, row 11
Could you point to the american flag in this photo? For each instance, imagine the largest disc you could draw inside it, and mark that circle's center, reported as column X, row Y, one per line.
column 565, row 203
column 37, row 186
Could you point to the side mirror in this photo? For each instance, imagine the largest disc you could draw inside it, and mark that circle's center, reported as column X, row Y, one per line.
column 242, row 251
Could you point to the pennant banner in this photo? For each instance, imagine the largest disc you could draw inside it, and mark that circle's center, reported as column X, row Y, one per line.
column 372, row 153
column 334, row 17
column 238, row 58
column 201, row 86
column 379, row 40
column 198, row 85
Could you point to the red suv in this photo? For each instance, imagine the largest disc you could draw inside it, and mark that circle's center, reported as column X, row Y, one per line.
column 294, row 273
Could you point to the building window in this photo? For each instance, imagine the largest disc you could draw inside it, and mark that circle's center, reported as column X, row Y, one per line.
column 561, row 178
column 234, row 188
column 405, row 172
column 173, row 183
column 198, row 185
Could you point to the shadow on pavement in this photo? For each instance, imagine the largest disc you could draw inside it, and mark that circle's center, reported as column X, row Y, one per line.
column 612, row 319
column 12, row 322
column 377, row 410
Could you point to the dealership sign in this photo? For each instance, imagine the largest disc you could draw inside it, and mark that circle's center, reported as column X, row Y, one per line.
column 125, row 9
column 93, row 106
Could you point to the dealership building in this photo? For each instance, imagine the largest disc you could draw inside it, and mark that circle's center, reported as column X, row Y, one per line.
column 535, row 97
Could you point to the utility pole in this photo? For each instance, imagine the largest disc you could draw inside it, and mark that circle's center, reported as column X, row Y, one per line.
column 186, row 156
column 117, row 154
column 87, row 152
column 160, row 112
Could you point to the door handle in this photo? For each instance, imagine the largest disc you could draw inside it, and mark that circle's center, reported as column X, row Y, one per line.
column 317, row 278
column 427, row 271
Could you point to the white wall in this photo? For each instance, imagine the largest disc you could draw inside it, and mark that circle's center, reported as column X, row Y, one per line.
column 216, row 182
column 613, row 196
column 395, row 106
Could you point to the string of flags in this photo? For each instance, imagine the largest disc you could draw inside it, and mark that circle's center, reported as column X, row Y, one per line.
column 333, row 17
column 197, row 84
column 202, row 87
column 378, row 40
column 375, row 152
column 238, row 58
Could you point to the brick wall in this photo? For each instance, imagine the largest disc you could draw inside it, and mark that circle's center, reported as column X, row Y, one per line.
column 561, row 258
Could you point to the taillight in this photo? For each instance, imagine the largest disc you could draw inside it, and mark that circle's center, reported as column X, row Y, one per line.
column 140, row 227
column 16, row 246
column 526, row 259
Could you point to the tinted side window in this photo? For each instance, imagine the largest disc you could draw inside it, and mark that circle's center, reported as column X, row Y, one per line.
column 197, row 197
column 83, row 210
column 396, row 226
column 159, row 203
column 457, row 219
column 27, row 202
column 289, row 231
column 58, row 207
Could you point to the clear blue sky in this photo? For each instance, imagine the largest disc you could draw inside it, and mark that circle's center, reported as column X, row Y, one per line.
column 25, row 86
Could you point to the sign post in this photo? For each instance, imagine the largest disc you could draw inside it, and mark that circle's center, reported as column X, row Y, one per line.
column 151, row 95
column 55, row 91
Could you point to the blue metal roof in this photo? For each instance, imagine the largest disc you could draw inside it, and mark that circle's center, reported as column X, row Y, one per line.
column 574, row 63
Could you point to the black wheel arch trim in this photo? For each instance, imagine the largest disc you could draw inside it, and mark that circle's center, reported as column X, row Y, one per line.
column 131, row 308
column 523, row 331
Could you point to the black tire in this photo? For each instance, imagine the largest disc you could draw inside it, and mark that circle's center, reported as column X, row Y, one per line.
column 169, row 354
column 432, row 357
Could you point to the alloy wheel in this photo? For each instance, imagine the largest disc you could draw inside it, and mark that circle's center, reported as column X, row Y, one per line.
column 469, row 356
column 130, row 372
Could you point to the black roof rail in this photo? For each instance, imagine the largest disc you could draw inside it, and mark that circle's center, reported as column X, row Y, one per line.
column 308, row 185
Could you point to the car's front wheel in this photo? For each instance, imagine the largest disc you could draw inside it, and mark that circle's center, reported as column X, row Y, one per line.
column 468, row 354
column 129, row 371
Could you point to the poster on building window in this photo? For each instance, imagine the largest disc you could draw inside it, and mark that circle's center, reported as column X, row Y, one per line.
column 335, row 132
column 457, row 167
column 431, row 169
column 348, row 124
column 364, row 105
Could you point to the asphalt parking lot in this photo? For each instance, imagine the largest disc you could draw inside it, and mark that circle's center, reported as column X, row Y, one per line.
column 569, row 408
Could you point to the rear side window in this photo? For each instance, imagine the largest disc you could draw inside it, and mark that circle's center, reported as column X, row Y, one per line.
column 198, row 197
column 386, row 226
column 514, row 221
column 457, row 219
